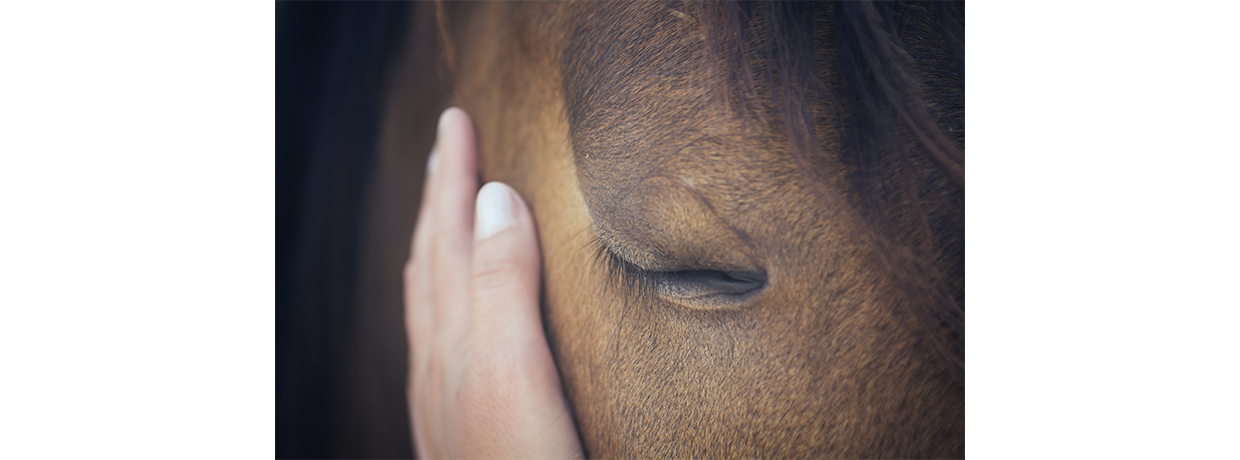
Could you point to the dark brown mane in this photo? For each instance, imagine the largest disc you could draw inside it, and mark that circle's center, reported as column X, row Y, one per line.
column 888, row 76
column 905, row 61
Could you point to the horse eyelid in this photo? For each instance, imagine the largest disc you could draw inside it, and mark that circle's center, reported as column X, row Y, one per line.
column 620, row 269
column 684, row 284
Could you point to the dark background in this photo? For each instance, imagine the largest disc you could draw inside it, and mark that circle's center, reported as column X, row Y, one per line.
column 332, row 71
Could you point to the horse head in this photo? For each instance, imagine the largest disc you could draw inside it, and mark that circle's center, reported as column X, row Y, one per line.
column 751, row 216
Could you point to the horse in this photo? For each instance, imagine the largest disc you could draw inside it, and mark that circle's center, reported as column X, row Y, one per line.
column 751, row 214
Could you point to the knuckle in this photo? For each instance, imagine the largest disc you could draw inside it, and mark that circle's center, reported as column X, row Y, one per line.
column 498, row 271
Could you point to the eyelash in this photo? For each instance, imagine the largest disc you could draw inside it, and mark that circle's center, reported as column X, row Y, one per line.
column 620, row 271
column 642, row 285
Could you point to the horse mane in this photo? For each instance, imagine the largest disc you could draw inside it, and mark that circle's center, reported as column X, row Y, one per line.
column 901, row 151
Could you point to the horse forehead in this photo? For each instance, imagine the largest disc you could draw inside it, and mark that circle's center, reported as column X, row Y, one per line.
column 642, row 103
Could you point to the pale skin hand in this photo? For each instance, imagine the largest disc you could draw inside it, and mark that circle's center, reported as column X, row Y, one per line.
column 482, row 383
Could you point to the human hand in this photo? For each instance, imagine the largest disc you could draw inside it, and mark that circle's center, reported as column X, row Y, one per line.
column 482, row 382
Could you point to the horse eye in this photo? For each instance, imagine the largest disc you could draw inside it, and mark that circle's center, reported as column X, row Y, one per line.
column 708, row 288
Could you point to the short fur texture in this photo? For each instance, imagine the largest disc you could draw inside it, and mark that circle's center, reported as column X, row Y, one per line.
column 820, row 146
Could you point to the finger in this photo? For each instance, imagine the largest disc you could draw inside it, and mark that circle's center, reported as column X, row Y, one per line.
column 453, row 189
column 437, row 279
column 510, row 403
column 453, row 186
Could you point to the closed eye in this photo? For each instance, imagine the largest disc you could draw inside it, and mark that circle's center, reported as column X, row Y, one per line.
column 712, row 286
column 698, row 288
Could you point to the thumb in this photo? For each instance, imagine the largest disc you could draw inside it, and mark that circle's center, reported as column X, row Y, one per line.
column 510, row 403
column 506, row 266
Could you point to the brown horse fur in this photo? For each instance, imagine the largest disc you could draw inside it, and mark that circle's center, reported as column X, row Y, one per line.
column 810, row 156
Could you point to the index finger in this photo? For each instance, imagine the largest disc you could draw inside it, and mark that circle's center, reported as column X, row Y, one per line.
column 453, row 188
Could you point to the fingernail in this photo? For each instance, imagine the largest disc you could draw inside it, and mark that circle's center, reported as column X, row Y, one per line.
column 493, row 211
